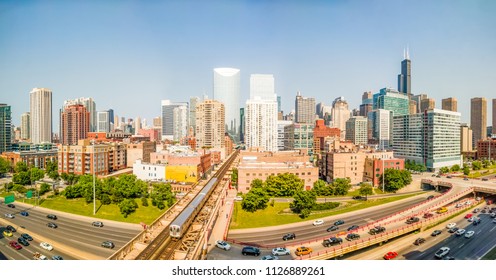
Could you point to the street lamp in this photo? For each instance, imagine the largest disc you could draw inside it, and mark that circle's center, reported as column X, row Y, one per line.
column 94, row 165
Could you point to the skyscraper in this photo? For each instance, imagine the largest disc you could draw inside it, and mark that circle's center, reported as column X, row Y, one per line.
column 465, row 138
column 405, row 78
column 227, row 90
column 478, row 119
column 261, row 114
column 340, row 114
column 427, row 104
column 74, row 124
column 90, row 106
column 25, row 126
column 168, row 118
column 366, row 105
column 305, row 109
column 180, row 122
column 450, row 104
column 41, row 115
column 5, row 128
column 210, row 120
column 389, row 99
column 193, row 101
column 380, row 127
column 494, row 116
column 356, row 130
column 103, row 124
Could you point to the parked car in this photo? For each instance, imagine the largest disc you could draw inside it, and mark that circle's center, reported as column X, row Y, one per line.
column 476, row 210
column 332, row 241
column 419, row 241
column 289, row 236
column 300, row 251
column 430, row 197
column 249, row 250
column 223, row 245
column 7, row 233
column 280, row 251
column 352, row 236
column 390, row 255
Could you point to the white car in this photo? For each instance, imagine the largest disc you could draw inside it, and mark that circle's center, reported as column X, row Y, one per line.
column 443, row 251
column 493, row 215
column 459, row 205
column 471, row 219
column 280, row 251
column 451, row 225
column 460, row 232
column 46, row 246
column 494, row 220
column 318, row 222
column 223, row 245
column 469, row 234
column 468, row 202
column 10, row 216
column 238, row 198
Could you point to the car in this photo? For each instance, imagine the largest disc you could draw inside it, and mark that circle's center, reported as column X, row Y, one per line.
column 469, row 234
column 15, row 245
column 458, row 205
column 332, row 241
column 10, row 216
column 436, row 232
column 46, row 246
column 300, row 251
column 27, row 237
column 470, row 219
column 352, row 236
column 52, row 225
column 57, row 258
column 11, row 228
column 24, row 213
column 7, row 233
column 453, row 230
column 280, row 251
column 468, row 202
column 97, row 224
column 476, row 221
column 412, row 220
column 438, row 176
column 108, row 244
column 11, row 205
column 353, row 227
column 332, row 228
column 430, row 197
column 485, row 179
column 52, row 217
column 390, row 255
column 238, row 198
column 38, row 256
column 476, row 210
column 23, row 241
column 460, row 232
column 419, row 241
column 289, row 236
column 494, row 220
column 338, row 222
column 449, row 176
column 448, row 258
column 223, row 245
column 468, row 216
column 318, row 222
column 359, row 197
column 269, row 258
column 249, row 250
column 493, row 215
column 465, row 179
column 451, row 225
column 483, row 211
column 443, row 251
column 428, row 215
column 376, row 230
column 442, row 210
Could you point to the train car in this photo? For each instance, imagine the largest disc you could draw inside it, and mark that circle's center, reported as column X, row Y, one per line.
column 185, row 218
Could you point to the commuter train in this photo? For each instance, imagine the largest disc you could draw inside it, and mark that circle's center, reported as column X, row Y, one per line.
column 179, row 226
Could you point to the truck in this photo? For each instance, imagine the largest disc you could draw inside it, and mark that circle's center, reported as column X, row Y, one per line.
column 38, row 256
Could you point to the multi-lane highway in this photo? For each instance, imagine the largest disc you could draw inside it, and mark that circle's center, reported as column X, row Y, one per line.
column 74, row 238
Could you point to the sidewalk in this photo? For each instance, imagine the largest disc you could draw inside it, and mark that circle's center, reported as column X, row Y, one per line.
column 221, row 227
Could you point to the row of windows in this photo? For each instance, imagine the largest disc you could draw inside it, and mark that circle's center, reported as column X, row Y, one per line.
column 249, row 181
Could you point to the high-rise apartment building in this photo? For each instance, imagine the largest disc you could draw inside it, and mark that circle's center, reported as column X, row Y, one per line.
column 25, row 126
column 90, row 106
column 305, row 109
column 494, row 116
column 427, row 104
column 261, row 114
column 227, row 90
column 193, row 101
column 379, row 128
column 405, row 78
column 41, row 115
column 180, row 122
column 340, row 114
column 431, row 138
column 366, row 105
column 281, row 138
column 418, row 99
column 478, row 119
column 168, row 118
column 465, row 138
column 103, row 124
column 5, row 128
column 389, row 99
column 74, row 124
column 450, row 104
column 356, row 130
column 210, row 120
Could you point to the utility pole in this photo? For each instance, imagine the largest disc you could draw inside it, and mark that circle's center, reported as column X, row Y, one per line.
column 94, row 192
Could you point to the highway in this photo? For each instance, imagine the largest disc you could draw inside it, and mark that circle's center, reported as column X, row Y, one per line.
column 74, row 238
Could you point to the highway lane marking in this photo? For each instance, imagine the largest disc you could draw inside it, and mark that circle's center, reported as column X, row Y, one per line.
column 492, row 228
column 478, row 232
column 461, row 245
column 422, row 254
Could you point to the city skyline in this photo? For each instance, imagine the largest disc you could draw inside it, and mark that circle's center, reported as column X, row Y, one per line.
column 128, row 59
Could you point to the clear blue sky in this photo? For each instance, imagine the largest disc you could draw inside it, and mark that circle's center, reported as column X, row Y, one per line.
column 129, row 55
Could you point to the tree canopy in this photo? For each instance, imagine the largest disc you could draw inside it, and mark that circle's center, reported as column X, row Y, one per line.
column 395, row 179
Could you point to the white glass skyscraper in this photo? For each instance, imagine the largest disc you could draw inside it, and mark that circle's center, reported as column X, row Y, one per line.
column 180, row 122
column 168, row 118
column 41, row 115
column 228, row 91
column 262, row 85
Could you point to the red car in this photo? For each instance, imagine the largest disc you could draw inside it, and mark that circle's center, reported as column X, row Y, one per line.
column 468, row 216
column 390, row 255
column 428, row 215
column 15, row 245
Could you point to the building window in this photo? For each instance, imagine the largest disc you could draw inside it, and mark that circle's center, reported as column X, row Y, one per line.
column 377, row 175
column 377, row 169
column 247, row 181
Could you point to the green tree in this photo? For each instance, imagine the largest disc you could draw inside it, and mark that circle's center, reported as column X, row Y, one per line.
column 21, row 166
column 234, row 177
column 321, row 188
column 128, row 186
column 162, row 195
column 303, row 200
column 455, row 168
column 144, row 202
column 476, row 165
column 36, row 174
column 128, row 206
column 395, row 179
column 44, row 188
column 466, row 170
column 485, row 163
column 256, row 199
column 105, row 199
column 21, row 178
column 4, row 166
column 286, row 185
column 443, row 170
column 365, row 189
column 341, row 186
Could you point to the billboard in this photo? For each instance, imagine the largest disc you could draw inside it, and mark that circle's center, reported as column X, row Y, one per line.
column 181, row 173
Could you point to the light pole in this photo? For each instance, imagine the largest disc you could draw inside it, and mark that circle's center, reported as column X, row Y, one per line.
column 382, row 175
column 94, row 192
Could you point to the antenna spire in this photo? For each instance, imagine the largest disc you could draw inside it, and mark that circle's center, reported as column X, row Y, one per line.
column 407, row 54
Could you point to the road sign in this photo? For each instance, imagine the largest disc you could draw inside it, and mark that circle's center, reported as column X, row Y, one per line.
column 29, row 194
column 9, row 199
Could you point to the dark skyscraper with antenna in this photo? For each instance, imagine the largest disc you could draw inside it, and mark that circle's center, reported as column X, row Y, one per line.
column 405, row 78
